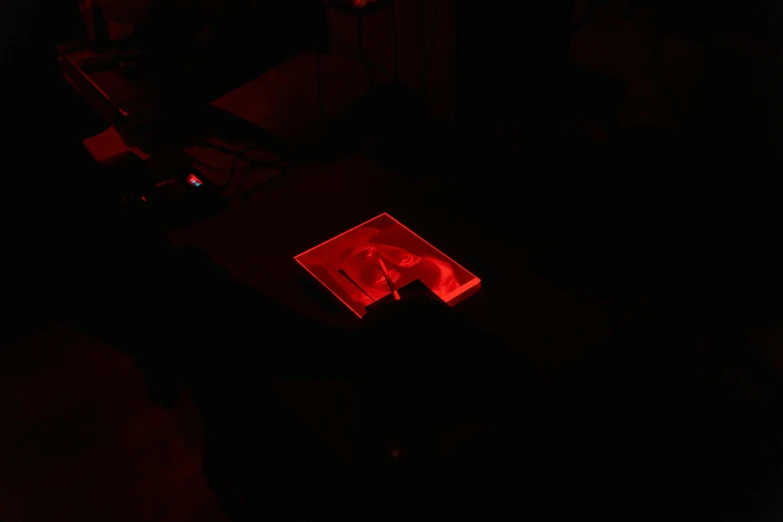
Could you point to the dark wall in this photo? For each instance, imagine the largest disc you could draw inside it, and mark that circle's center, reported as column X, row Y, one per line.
column 426, row 44
column 512, row 66
column 708, row 72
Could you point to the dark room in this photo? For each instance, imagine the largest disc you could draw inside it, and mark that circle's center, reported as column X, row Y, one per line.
column 391, row 260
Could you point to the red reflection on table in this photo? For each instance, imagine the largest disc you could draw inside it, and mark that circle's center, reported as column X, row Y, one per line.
column 405, row 255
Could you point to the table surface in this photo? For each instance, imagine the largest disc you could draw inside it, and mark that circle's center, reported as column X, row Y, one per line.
column 543, row 328
column 540, row 326
column 257, row 241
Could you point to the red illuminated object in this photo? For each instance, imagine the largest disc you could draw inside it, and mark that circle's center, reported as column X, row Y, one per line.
column 193, row 180
column 352, row 265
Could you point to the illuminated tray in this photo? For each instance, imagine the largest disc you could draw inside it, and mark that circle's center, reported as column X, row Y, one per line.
column 348, row 264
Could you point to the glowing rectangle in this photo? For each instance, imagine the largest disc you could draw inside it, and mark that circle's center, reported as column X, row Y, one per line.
column 407, row 256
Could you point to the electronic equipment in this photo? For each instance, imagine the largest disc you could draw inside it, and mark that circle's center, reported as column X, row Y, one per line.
column 166, row 190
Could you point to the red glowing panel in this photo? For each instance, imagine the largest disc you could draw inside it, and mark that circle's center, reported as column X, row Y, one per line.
column 352, row 265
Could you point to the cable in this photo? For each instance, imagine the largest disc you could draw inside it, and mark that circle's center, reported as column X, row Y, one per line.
column 318, row 79
column 431, row 46
column 207, row 165
column 319, row 84
column 396, row 42
column 589, row 15
column 261, row 184
column 362, row 51
column 241, row 153
column 360, row 40
column 238, row 191
column 237, row 156
column 233, row 171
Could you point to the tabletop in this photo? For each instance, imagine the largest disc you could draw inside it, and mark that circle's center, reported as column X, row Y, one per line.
column 256, row 243
column 541, row 328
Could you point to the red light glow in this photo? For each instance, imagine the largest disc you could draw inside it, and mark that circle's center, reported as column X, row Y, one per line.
column 378, row 256
column 193, row 180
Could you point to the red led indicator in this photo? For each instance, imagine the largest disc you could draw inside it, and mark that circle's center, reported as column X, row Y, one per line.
column 193, row 180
